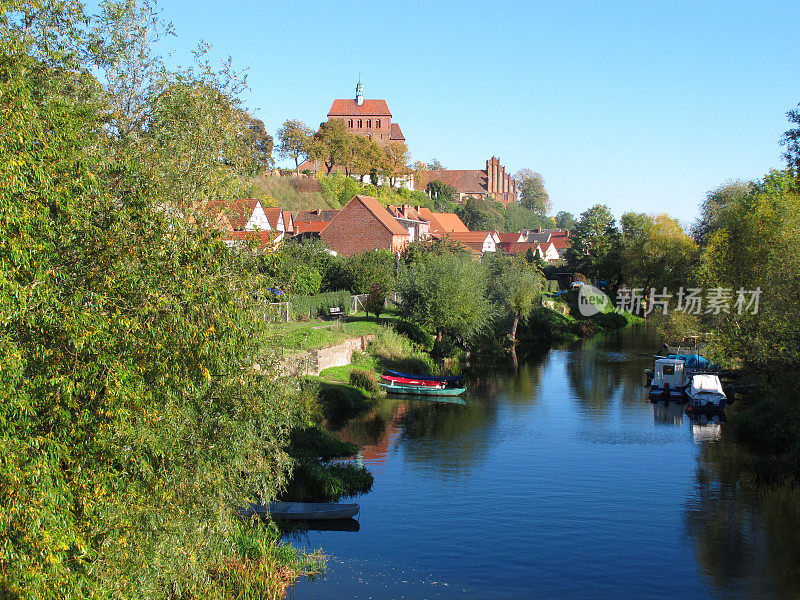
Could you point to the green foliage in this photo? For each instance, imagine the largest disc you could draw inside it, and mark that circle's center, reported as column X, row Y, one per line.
column 565, row 220
column 595, row 247
column 415, row 333
column 366, row 269
column 443, row 194
column 319, row 304
column 395, row 351
column 532, row 194
column 294, row 138
column 446, row 294
column 366, row 380
column 138, row 404
column 418, row 249
column 516, row 286
column 517, row 218
column 791, row 139
column 482, row 214
column 656, row 253
column 677, row 326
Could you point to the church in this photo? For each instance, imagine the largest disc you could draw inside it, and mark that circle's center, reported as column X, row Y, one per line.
column 370, row 118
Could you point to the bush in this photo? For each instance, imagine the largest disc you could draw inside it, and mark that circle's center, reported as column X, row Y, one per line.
column 319, row 304
column 415, row 333
column 366, row 380
column 677, row 326
column 397, row 352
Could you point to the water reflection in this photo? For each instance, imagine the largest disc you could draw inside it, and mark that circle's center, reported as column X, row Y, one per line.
column 707, row 428
column 668, row 413
column 747, row 537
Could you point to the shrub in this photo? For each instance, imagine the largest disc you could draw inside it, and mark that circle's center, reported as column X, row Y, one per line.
column 366, row 380
column 319, row 304
column 415, row 333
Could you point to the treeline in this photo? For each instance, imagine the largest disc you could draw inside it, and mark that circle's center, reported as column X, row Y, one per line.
column 140, row 402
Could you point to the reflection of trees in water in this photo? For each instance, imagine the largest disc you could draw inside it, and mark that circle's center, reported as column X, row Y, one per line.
column 614, row 362
column 747, row 537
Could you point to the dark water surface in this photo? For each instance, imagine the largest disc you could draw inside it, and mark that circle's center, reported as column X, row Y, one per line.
column 559, row 480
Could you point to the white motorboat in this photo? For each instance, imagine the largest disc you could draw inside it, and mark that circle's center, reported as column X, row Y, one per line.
column 705, row 393
column 669, row 379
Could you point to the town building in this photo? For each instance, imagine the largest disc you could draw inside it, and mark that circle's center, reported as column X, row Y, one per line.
column 476, row 241
column 441, row 222
column 491, row 182
column 364, row 224
column 409, row 217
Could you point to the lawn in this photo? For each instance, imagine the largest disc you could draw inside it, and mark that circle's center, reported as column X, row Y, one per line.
column 321, row 334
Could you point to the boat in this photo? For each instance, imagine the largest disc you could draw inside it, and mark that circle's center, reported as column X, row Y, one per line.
column 421, row 390
column 669, row 379
column 705, row 393
column 454, row 379
column 301, row 511
column 407, row 381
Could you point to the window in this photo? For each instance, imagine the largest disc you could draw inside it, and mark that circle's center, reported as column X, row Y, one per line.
column 378, row 124
column 359, row 124
column 369, row 123
column 350, row 123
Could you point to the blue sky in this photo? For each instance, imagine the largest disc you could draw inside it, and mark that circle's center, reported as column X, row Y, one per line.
column 639, row 105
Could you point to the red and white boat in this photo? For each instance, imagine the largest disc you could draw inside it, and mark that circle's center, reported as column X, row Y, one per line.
column 407, row 381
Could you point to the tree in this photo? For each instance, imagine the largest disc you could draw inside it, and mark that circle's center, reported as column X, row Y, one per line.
column 517, row 286
column 258, row 140
column 791, row 139
column 447, row 295
column 595, row 245
column 366, row 269
column 331, row 144
column 435, row 165
column 376, row 299
column 482, row 214
column 565, row 220
column 294, row 138
column 364, row 156
column 444, row 195
column 395, row 161
column 517, row 218
column 656, row 252
column 533, row 195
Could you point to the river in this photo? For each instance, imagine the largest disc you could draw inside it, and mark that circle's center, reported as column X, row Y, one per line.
column 557, row 480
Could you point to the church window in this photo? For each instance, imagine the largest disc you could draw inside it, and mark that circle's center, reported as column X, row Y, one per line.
column 349, row 122
column 359, row 124
column 369, row 123
column 378, row 124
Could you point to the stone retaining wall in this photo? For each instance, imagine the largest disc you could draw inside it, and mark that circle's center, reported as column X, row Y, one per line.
column 314, row 361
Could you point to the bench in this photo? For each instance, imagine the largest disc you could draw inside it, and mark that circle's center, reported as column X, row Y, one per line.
column 335, row 312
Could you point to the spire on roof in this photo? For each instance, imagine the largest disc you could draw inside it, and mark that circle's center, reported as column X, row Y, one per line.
column 359, row 92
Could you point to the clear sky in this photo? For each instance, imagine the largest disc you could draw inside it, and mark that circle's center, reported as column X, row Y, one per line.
column 640, row 105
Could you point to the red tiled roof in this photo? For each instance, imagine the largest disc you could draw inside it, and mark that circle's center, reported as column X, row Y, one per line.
column 396, row 133
column 349, row 107
column 405, row 212
column 520, row 247
column 381, row 213
column 238, row 212
column 273, row 215
column 470, row 236
column 471, row 181
column 310, row 226
column 288, row 221
column 315, row 215
column 442, row 222
column 511, row 237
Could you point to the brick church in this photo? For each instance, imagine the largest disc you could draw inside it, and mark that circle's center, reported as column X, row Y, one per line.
column 370, row 118
column 492, row 182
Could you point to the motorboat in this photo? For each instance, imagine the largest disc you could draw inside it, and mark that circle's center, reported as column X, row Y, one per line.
column 669, row 379
column 705, row 393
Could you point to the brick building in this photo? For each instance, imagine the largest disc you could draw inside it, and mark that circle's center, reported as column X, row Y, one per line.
column 364, row 224
column 370, row 118
column 491, row 182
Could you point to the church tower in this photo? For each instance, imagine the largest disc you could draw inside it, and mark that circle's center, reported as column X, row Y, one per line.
column 359, row 93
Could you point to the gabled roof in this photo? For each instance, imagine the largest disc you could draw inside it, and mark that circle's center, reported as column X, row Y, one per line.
column 471, row 236
column 273, row 216
column 237, row 212
column 396, row 133
column 511, row 237
column 380, row 212
column 521, row 247
column 315, row 215
column 472, row 181
column 288, row 221
column 348, row 107
column 310, row 226
column 442, row 222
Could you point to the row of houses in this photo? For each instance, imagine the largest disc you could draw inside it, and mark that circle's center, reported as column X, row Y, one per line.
column 365, row 224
